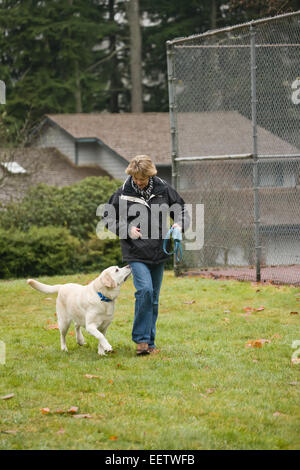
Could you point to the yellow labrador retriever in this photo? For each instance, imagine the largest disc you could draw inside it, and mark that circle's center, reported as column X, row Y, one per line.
column 90, row 306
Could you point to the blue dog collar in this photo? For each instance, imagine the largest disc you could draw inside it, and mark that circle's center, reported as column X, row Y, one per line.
column 103, row 298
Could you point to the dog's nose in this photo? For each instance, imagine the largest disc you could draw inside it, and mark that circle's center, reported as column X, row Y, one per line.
column 128, row 266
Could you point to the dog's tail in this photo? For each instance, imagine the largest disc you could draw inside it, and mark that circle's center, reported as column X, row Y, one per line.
column 43, row 287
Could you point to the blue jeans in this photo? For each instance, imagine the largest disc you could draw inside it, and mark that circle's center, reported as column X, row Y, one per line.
column 147, row 279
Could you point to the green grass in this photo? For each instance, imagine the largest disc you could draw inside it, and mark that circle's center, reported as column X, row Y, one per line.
column 205, row 390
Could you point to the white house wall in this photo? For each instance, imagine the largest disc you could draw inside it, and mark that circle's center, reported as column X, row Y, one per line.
column 55, row 137
column 96, row 154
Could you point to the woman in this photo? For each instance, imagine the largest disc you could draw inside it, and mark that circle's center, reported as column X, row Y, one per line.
column 141, row 226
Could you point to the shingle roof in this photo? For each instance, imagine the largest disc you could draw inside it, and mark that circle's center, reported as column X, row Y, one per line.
column 128, row 134
column 207, row 133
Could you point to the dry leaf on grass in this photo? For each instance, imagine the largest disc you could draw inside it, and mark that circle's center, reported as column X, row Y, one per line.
column 277, row 413
column 82, row 416
column 190, row 302
column 257, row 343
column 52, row 327
column 72, row 410
column 10, row 431
column 295, row 360
column 251, row 309
column 91, row 376
column 113, row 438
column 294, row 313
column 7, row 397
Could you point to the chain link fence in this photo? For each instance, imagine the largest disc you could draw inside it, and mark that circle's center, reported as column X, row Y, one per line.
column 235, row 112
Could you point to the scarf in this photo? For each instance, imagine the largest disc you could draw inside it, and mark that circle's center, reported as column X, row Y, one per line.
column 146, row 192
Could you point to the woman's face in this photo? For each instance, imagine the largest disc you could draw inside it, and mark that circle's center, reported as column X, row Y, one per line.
column 140, row 180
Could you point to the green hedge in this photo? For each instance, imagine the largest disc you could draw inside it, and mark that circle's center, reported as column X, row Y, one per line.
column 73, row 207
column 53, row 231
column 39, row 251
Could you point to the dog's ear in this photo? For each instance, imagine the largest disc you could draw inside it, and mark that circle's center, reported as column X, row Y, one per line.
column 108, row 281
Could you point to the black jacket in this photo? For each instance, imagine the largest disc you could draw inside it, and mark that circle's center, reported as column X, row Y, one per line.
column 149, row 216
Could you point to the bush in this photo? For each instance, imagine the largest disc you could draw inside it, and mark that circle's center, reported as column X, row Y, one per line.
column 97, row 255
column 73, row 207
column 39, row 251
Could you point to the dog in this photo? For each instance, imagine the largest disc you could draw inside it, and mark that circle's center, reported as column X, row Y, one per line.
column 91, row 306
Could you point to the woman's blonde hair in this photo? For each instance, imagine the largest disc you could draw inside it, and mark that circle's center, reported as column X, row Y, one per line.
column 141, row 164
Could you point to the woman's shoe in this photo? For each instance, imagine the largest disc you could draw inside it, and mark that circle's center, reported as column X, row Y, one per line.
column 142, row 349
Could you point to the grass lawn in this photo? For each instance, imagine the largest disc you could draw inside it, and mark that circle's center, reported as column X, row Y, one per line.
column 205, row 390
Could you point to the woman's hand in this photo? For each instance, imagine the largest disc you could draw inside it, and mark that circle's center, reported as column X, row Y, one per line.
column 135, row 233
column 177, row 226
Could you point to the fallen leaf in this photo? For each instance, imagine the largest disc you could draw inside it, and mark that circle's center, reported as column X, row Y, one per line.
column 259, row 309
column 71, row 333
column 210, row 390
column 110, row 381
column 277, row 413
column 48, row 298
column 204, row 396
column 9, row 431
column 53, row 327
column 7, row 397
column 82, row 416
column 293, row 383
column 226, row 319
column 61, row 431
column 45, row 411
column 59, row 411
column 190, row 302
column 73, row 409
column 293, row 313
column 257, row 343
column 91, row 376
column 248, row 309
column 295, row 360
column 113, row 438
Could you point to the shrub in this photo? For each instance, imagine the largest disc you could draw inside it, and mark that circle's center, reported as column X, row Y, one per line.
column 39, row 251
column 73, row 207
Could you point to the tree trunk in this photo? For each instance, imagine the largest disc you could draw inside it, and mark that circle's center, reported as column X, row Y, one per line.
column 78, row 100
column 213, row 14
column 135, row 56
column 77, row 91
column 114, row 74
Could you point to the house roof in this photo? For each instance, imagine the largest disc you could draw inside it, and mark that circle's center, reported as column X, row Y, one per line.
column 200, row 134
column 41, row 165
column 128, row 134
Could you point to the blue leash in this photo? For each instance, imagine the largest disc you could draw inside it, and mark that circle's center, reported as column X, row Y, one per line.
column 177, row 237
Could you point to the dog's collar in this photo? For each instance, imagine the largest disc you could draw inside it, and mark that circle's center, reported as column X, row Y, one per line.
column 103, row 298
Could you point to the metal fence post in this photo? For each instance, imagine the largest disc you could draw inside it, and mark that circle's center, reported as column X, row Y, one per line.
column 172, row 108
column 254, row 153
column 173, row 124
